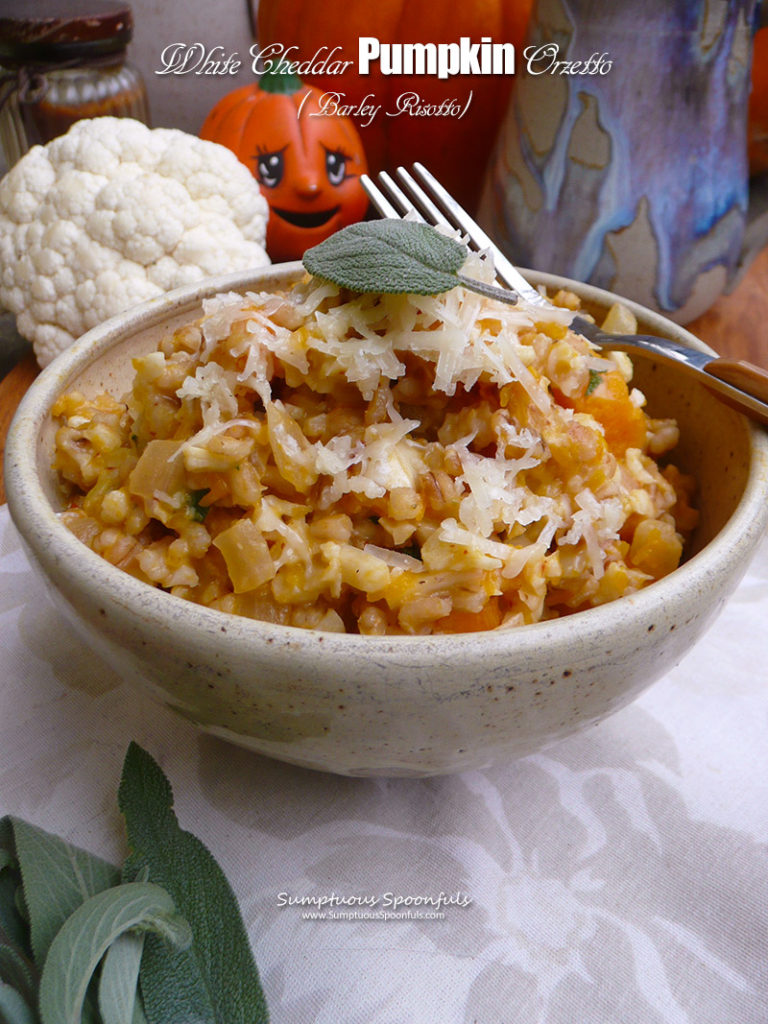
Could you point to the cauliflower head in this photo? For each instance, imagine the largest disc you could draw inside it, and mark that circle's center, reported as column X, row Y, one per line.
column 114, row 213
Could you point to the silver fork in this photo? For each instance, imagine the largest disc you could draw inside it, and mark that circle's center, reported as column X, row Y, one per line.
column 737, row 382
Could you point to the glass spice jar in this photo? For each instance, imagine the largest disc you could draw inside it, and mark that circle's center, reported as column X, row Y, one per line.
column 61, row 61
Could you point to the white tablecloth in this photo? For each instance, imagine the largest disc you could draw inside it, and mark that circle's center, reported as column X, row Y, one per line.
column 622, row 876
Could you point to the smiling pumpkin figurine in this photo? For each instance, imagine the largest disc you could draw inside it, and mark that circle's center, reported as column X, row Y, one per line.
column 307, row 161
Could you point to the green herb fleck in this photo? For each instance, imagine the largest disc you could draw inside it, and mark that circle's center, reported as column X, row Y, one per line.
column 195, row 510
column 595, row 377
column 413, row 550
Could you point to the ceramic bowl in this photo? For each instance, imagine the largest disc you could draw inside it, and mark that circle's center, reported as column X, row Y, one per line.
column 362, row 705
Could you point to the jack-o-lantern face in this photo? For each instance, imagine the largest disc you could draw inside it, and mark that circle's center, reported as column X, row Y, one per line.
column 308, row 163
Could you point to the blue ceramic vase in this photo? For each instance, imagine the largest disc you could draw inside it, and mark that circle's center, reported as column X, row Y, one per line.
column 622, row 160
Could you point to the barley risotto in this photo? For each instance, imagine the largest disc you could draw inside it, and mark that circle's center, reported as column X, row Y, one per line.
column 378, row 464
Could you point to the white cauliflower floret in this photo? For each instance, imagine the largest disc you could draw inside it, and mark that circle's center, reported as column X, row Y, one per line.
column 114, row 213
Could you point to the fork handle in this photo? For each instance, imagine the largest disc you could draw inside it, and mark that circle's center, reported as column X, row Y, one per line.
column 741, row 374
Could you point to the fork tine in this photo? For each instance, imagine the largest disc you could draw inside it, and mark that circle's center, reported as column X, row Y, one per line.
column 432, row 212
column 385, row 201
column 505, row 270
column 395, row 192
column 412, row 199
column 378, row 199
column 460, row 216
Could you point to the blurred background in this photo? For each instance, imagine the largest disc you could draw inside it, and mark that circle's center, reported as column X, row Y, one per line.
column 182, row 101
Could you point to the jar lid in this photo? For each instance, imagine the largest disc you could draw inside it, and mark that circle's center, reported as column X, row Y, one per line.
column 63, row 30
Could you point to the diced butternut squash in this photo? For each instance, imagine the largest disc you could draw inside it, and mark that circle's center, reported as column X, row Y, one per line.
column 610, row 404
column 656, row 548
column 489, row 617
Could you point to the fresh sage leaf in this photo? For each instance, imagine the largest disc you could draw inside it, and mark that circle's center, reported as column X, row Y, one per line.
column 6, row 842
column 392, row 256
column 214, row 981
column 14, row 1009
column 57, row 878
column 16, row 970
column 119, row 1001
column 21, row 904
column 88, row 933
column 396, row 257
column 13, row 927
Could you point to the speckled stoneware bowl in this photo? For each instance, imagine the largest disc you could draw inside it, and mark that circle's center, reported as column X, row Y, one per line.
column 399, row 705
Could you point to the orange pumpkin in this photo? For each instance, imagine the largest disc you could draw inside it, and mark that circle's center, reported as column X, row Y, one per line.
column 307, row 163
column 456, row 150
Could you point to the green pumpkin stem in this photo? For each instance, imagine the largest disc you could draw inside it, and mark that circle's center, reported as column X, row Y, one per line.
column 280, row 84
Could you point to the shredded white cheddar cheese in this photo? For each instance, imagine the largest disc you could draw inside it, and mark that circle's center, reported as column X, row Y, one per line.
column 378, row 464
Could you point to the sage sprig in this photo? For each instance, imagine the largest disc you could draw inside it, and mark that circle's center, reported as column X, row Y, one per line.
column 57, row 879
column 396, row 257
column 214, row 979
column 159, row 942
column 88, row 934
column 119, row 1001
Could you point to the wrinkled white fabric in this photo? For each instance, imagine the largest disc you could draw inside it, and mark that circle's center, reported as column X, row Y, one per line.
column 621, row 876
